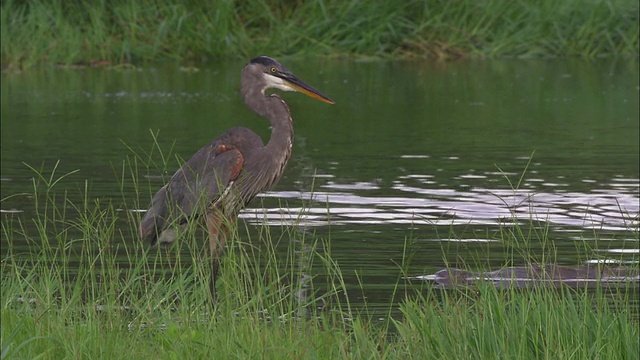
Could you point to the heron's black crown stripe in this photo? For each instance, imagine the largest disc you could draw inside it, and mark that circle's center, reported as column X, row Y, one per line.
column 263, row 60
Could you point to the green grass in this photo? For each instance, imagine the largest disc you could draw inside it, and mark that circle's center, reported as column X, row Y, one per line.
column 127, row 31
column 86, row 288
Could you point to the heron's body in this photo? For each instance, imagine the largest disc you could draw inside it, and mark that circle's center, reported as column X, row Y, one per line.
column 223, row 176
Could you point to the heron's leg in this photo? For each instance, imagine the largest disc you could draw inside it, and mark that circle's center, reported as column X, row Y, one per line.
column 218, row 229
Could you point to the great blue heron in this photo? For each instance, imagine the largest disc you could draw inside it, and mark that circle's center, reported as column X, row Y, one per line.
column 223, row 176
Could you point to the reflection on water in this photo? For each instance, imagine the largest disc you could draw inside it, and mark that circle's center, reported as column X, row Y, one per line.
column 613, row 207
column 415, row 158
column 612, row 210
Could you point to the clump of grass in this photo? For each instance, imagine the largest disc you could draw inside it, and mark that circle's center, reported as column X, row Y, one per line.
column 487, row 323
column 126, row 31
column 86, row 288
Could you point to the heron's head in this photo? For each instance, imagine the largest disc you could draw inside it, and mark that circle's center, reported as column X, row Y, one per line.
column 266, row 73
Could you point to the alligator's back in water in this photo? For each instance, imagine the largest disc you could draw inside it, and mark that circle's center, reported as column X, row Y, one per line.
column 540, row 275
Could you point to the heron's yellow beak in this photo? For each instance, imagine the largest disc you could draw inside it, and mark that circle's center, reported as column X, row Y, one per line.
column 298, row 85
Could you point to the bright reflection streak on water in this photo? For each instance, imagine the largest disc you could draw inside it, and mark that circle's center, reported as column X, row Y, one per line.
column 602, row 209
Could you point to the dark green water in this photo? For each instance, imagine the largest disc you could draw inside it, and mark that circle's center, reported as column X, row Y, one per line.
column 415, row 157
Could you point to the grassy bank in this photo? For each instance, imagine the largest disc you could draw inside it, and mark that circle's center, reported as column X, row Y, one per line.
column 127, row 31
column 86, row 288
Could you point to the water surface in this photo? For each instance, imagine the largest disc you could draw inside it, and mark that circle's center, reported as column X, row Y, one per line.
column 431, row 161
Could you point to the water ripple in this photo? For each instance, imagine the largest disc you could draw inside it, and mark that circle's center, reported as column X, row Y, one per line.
column 360, row 203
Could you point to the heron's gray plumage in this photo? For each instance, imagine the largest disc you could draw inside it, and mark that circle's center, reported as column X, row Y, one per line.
column 198, row 183
column 223, row 176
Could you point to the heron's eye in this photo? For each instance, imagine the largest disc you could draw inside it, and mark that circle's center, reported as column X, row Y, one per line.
column 273, row 70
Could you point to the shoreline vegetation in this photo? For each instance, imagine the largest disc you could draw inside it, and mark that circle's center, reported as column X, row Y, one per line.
column 85, row 287
column 111, row 33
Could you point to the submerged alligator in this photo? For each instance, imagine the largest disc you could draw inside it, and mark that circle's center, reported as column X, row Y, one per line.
column 540, row 275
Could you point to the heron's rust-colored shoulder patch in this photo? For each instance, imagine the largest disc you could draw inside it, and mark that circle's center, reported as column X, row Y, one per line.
column 236, row 159
column 237, row 167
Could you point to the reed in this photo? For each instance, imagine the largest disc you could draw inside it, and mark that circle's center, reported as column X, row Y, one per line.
column 125, row 31
column 86, row 288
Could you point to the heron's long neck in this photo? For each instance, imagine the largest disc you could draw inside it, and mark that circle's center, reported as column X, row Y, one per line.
column 276, row 110
column 278, row 150
column 281, row 126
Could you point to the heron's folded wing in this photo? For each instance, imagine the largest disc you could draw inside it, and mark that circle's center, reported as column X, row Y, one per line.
column 195, row 186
